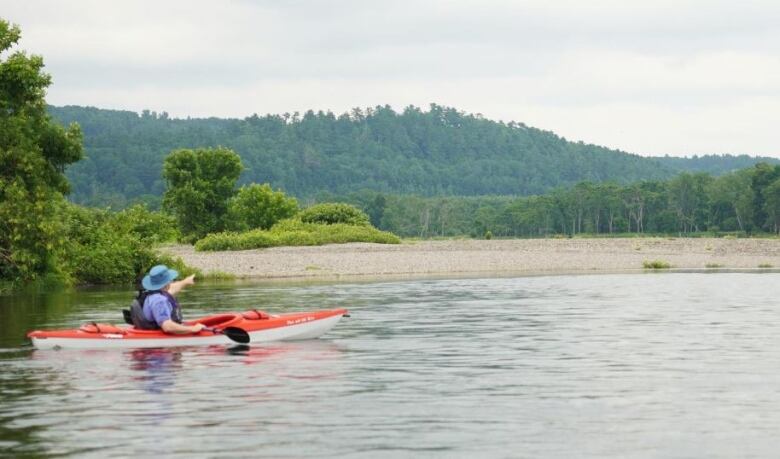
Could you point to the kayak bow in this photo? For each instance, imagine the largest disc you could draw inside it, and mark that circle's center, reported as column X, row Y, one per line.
column 260, row 326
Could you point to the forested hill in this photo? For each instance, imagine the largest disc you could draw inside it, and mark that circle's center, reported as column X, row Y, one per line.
column 435, row 152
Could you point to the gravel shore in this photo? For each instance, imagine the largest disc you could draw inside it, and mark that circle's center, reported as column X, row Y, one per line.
column 484, row 257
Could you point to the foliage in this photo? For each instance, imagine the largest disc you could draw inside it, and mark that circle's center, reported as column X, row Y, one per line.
column 712, row 164
column 200, row 183
column 41, row 234
column 102, row 247
column 96, row 253
column 688, row 204
column 34, row 152
column 656, row 264
column 771, row 195
column 217, row 276
column 293, row 232
column 331, row 213
column 258, row 206
column 688, row 200
column 438, row 151
column 148, row 226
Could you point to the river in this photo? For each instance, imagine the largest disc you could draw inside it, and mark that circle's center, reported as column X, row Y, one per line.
column 633, row 365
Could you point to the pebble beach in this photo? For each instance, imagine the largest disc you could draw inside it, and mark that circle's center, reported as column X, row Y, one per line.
column 468, row 257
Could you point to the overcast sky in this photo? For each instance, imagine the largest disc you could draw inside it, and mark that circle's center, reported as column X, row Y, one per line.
column 652, row 77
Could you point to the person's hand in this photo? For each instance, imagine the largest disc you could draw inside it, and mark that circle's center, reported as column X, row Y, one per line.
column 189, row 280
column 197, row 327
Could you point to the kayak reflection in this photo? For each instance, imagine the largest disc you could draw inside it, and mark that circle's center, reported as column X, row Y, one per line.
column 159, row 367
column 174, row 374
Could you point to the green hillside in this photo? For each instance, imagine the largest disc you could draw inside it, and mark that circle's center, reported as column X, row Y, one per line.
column 440, row 151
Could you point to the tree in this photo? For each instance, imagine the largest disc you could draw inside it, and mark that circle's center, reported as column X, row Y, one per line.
column 688, row 199
column 34, row 152
column 200, row 182
column 772, row 205
column 376, row 210
column 258, row 206
column 763, row 175
column 731, row 201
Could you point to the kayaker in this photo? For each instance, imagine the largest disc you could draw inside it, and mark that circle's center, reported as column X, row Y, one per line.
column 156, row 307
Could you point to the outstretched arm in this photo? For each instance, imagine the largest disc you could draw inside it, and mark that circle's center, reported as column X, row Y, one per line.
column 175, row 287
column 170, row 326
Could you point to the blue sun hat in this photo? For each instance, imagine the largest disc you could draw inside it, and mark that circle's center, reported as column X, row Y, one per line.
column 158, row 277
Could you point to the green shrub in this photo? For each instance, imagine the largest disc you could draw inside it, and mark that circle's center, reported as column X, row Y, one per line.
column 106, row 248
column 229, row 240
column 656, row 264
column 293, row 224
column 296, row 238
column 258, row 239
column 258, row 206
column 149, row 226
column 332, row 213
column 218, row 241
column 293, row 232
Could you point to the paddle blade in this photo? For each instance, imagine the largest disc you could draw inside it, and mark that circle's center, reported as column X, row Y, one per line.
column 238, row 335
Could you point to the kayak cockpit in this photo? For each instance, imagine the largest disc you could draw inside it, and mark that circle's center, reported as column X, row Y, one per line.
column 217, row 321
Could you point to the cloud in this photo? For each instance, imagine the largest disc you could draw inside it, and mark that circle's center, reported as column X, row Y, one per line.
column 657, row 77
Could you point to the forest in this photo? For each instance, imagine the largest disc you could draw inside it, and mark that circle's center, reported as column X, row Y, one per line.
column 436, row 152
column 743, row 202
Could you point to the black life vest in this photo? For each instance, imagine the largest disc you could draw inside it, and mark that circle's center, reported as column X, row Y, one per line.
column 137, row 318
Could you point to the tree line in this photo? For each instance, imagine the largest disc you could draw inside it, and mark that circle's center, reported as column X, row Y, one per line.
column 745, row 201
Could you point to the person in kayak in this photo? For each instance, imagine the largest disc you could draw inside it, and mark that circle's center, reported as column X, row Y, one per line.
column 156, row 306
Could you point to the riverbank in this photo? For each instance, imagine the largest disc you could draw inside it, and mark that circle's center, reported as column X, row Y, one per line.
column 475, row 257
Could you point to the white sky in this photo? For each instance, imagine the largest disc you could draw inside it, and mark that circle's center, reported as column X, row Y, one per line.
column 652, row 77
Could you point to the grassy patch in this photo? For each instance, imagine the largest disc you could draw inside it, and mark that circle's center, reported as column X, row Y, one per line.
column 655, row 264
column 219, row 275
column 713, row 265
column 765, row 265
column 293, row 232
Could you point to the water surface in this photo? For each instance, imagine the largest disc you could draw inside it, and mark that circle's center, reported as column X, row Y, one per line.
column 666, row 365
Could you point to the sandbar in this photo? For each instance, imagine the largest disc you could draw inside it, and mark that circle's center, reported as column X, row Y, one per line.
column 499, row 257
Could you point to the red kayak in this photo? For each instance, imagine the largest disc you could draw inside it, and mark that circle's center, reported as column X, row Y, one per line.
column 250, row 326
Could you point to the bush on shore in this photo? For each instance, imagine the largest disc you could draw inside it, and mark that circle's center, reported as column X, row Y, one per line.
column 656, row 264
column 258, row 207
column 103, row 247
column 295, row 232
column 331, row 213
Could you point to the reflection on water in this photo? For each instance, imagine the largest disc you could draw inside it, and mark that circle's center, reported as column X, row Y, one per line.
column 570, row 366
column 156, row 368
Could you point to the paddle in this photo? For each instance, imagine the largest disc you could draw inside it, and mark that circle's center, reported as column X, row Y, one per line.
column 236, row 334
